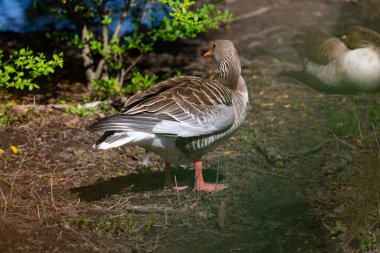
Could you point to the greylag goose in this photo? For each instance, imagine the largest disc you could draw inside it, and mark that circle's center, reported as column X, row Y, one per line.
column 182, row 118
column 349, row 64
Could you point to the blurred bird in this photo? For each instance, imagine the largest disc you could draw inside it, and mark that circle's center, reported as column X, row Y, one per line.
column 182, row 118
column 346, row 65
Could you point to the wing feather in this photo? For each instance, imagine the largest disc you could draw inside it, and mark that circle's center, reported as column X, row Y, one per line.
column 182, row 106
column 316, row 46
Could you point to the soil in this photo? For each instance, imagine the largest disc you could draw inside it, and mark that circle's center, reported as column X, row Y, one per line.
column 303, row 171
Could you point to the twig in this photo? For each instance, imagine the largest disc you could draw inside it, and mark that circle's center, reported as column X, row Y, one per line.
column 38, row 214
column 259, row 34
column 153, row 249
column 60, row 106
column 256, row 13
column 5, row 182
column 135, row 61
column 43, row 208
column 14, row 178
column 118, row 204
column 35, row 137
column 356, row 117
column 60, row 234
column 176, row 187
column 105, row 35
column 209, row 231
column 377, row 141
column 271, row 156
column 166, row 217
column 279, row 245
column 270, row 173
column 313, row 149
column 328, row 228
column 217, row 172
column 99, row 68
column 217, row 154
column 150, row 209
column 122, row 17
column 375, row 223
column 5, row 203
column 51, row 193
column 83, row 238
column 343, row 142
column 320, row 146
column 221, row 215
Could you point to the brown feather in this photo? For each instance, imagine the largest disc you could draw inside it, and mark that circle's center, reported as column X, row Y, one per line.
column 318, row 47
column 359, row 37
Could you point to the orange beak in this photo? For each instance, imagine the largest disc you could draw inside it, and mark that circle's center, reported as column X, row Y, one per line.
column 208, row 53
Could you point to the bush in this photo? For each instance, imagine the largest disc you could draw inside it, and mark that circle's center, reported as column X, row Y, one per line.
column 23, row 67
column 106, row 55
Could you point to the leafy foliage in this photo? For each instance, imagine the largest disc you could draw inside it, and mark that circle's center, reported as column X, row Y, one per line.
column 106, row 88
column 9, row 117
column 340, row 227
column 106, row 54
column 140, row 82
column 23, row 67
column 182, row 24
column 124, row 225
column 5, row 117
column 81, row 111
column 109, row 88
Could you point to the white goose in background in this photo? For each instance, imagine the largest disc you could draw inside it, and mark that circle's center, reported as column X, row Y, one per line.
column 349, row 64
column 182, row 118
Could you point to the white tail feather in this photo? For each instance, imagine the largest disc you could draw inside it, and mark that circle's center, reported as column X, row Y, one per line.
column 131, row 138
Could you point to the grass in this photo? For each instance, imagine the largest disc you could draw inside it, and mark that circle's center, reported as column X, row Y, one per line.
column 81, row 111
column 342, row 122
column 125, row 225
column 339, row 228
column 359, row 213
column 6, row 117
column 368, row 242
column 375, row 116
column 358, row 118
column 82, row 221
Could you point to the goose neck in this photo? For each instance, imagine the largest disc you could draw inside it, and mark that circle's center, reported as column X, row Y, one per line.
column 229, row 72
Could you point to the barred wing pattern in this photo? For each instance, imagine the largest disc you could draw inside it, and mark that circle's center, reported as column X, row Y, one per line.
column 182, row 106
column 317, row 47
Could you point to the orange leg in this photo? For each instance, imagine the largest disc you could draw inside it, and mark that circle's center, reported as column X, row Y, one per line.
column 200, row 185
column 168, row 179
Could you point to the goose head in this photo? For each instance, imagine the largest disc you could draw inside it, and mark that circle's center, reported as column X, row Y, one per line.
column 360, row 37
column 226, row 55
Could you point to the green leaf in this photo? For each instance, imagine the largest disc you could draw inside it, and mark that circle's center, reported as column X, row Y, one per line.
column 106, row 21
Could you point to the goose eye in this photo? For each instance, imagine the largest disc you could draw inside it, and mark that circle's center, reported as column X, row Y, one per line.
column 213, row 47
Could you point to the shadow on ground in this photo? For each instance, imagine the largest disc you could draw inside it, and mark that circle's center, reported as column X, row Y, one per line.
column 143, row 181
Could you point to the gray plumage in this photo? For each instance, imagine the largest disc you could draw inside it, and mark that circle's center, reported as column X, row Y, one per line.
column 182, row 118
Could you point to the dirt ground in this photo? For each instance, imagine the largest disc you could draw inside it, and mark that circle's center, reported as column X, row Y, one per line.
column 303, row 171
